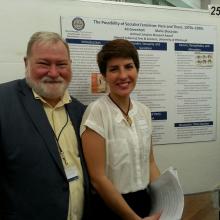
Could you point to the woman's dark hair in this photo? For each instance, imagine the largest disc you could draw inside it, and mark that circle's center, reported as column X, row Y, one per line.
column 116, row 49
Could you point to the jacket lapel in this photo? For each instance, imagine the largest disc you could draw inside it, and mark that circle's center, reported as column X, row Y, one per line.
column 41, row 123
column 75, row 111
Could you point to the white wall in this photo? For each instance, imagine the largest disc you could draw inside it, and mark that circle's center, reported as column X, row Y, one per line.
column 198, row 163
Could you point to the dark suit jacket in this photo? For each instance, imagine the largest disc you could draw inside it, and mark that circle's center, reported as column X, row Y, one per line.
column 33, row 184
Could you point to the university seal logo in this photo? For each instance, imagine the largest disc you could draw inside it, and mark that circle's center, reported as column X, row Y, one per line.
column 78, row 23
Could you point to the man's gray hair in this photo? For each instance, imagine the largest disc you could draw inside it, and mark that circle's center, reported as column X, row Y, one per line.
column 45, row 37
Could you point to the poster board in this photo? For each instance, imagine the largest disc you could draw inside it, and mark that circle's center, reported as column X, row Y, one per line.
column 197, row 163
column 177, row 75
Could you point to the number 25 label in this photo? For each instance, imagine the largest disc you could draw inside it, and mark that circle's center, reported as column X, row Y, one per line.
column 214, row 10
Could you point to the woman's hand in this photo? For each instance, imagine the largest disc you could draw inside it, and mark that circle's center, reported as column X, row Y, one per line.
column 155, row 216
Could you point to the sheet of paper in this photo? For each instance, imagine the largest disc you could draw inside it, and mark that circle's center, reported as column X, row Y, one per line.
column 167, row 195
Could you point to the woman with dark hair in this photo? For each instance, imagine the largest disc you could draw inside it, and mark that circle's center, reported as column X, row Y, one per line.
column 116, row 137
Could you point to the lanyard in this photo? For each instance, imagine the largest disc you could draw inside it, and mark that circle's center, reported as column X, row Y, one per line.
column 58, row 137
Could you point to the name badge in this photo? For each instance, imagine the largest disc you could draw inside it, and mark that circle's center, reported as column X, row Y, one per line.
column 71, row 173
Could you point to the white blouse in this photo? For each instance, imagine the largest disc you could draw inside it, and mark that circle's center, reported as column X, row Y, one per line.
column 127, row 147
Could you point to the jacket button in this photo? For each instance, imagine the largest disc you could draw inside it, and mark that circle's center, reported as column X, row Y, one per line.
column 65, row 187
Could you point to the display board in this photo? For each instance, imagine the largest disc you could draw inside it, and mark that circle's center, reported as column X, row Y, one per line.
column 197, row 162
column 177, row 76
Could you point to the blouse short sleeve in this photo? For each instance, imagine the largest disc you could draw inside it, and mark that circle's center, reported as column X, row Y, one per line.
column 93, row 118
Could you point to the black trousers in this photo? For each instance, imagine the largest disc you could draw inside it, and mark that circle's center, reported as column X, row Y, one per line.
column 139, row 201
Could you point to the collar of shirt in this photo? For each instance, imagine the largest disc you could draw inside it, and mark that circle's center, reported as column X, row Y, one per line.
column 65, row 99
column 119, row 117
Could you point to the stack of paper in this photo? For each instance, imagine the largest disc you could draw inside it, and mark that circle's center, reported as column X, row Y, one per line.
column 167, row 196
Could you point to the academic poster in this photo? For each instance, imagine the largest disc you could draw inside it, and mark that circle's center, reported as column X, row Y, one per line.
column 177, row 76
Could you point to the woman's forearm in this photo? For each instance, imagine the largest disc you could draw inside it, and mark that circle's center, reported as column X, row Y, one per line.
column 114, row 199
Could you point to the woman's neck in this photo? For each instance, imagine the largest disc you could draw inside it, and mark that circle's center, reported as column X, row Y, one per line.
column 122, row 102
